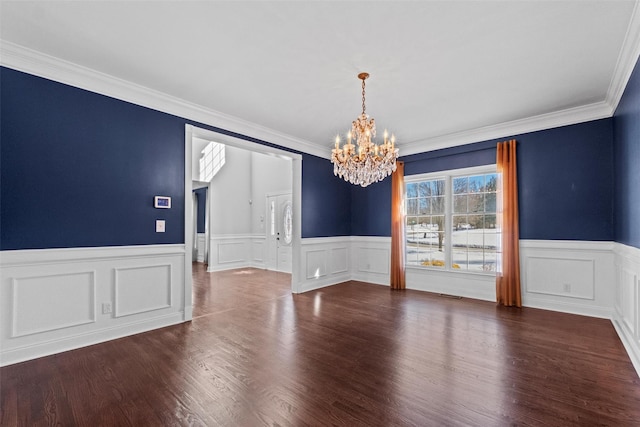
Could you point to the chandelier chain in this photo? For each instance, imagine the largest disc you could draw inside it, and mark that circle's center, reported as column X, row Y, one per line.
column 364, row 108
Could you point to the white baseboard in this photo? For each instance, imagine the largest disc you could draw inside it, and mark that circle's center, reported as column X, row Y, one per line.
column 312, row 285
column 72, row 342
column 54, row 300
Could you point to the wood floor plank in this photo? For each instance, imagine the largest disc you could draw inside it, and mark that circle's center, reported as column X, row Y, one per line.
column 353, row 354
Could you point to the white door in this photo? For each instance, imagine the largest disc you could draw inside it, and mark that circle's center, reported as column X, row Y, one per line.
column 279, row 232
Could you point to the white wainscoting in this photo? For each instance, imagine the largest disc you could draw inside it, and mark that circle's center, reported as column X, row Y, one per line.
column 568, row 276
column 328, row 261
column 229, row 251
column 325, row 261
column 371, row 259
column 626, row 313
column 467, row 285
column 51, row 300
column 201, row 247
column 258, row 251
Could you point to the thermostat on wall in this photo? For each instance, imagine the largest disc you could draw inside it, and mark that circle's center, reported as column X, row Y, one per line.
column 162, row 202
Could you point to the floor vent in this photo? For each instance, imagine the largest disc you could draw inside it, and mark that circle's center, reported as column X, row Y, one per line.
column 450, row 296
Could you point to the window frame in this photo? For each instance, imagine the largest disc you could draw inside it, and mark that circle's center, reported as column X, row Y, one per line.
column 448, row 176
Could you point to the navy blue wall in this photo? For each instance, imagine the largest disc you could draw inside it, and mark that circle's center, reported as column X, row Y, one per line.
column 565, row 180
column 80, row 169
column 201, row 196
column 627, row 163
column 371, row 209
column 464, row 156
column 326, row 200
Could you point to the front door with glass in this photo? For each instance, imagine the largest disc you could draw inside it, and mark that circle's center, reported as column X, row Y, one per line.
column 279, row 232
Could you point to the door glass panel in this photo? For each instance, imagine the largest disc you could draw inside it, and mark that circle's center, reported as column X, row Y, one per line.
column 272, row 210
column 287, row 223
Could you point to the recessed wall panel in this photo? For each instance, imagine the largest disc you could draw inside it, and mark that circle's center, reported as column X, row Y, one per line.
column 46, row 303
column 231, row 252
column 339, row 260
column 142, row 289
column 373, row 260
column 629, row 299
column 257, row 251
column 561, row 277
column 316, row 264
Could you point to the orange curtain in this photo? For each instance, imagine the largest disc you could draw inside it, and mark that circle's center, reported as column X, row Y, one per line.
column 397, row 228
column 508, row 276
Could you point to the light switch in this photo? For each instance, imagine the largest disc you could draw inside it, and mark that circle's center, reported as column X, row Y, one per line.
column 159, row 225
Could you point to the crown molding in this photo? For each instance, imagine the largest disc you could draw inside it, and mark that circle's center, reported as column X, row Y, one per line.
column 33, row 62
column 627, row 60
column 570, row 116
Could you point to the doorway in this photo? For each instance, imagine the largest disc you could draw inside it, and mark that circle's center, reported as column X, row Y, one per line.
column 294, row 247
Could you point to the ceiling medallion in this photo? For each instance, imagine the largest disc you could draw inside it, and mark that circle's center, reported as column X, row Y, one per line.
column 370, row 162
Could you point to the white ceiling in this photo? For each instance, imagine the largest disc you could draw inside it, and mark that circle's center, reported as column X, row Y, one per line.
column 442, row 72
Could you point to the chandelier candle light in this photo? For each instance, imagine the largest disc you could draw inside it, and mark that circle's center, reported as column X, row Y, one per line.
column 370, row 163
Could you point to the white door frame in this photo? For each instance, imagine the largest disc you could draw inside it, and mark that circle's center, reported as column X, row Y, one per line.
column 296, row 199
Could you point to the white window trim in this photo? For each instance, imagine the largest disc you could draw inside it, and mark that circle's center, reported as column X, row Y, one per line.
column 448, row 176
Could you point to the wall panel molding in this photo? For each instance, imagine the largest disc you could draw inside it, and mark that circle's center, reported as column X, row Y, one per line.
column 141, row 289
column 201, row 247
column 371, row 259
column 230, row 251
column 102, row 275
column 60, row 255
column 561, row 277
column 45, row 303
column 568, row 276
column 325, row 262
column 626, row 313
column 51, row 300
column 466, row 285
column 258, row 251
column 339, row 260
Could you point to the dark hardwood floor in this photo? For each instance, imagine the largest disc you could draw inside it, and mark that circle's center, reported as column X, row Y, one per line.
column 353, row 354
column 226, row 290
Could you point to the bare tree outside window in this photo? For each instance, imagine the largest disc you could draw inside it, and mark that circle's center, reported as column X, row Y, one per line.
column 425, row 223
column 461, row 226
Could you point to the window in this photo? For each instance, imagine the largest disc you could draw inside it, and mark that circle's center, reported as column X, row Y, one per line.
column 212, row 159
column 451, row 221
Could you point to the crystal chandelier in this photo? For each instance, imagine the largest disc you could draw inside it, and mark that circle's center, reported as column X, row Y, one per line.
column 370, row 163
